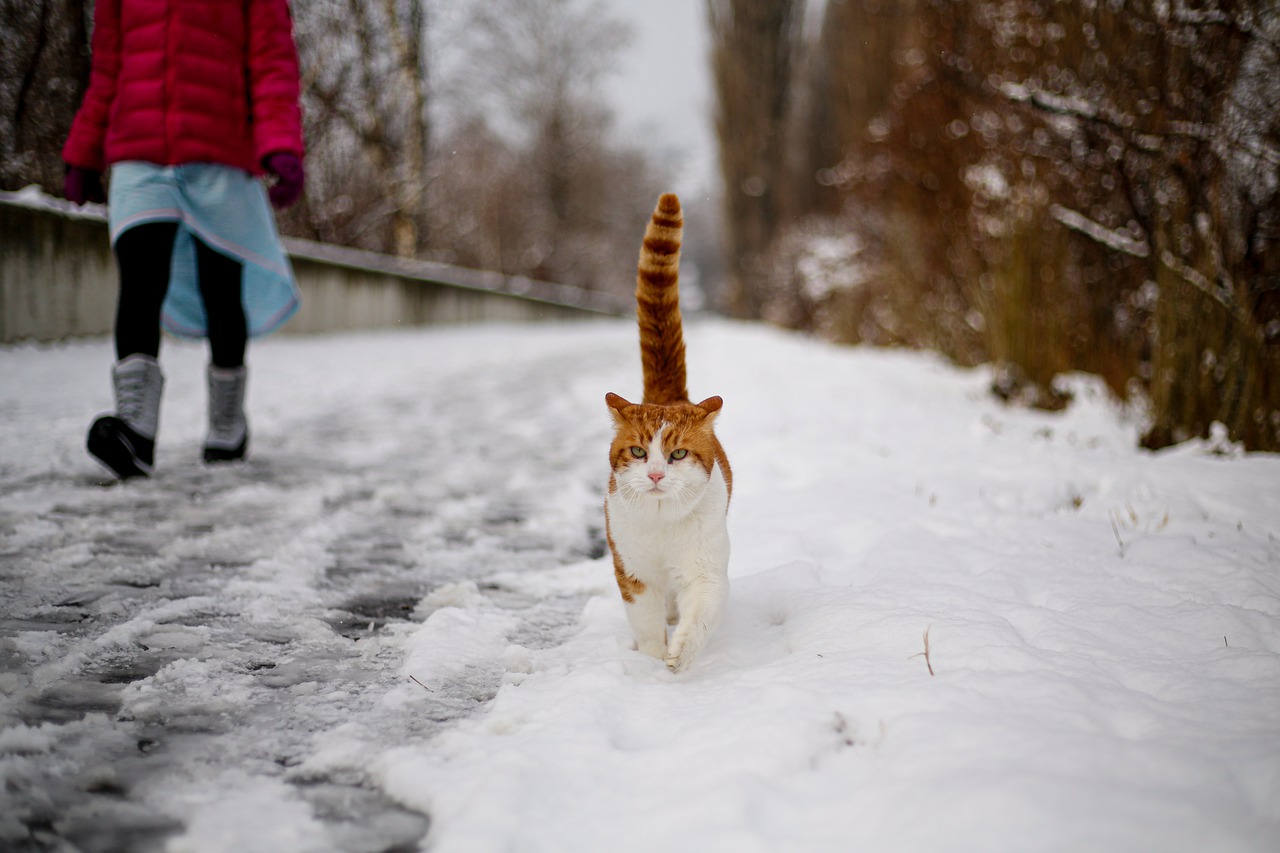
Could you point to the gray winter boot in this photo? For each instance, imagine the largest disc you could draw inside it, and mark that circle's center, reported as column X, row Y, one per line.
column 126, row 441
column 228, row 432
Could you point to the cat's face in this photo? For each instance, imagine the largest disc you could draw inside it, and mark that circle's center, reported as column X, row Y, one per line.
column 662, row 452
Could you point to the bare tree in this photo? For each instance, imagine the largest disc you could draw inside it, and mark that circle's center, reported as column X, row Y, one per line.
column 754, row 44
column 1067, row 186
column 365, row 104
column 44, row 70
column 480, row 188
column 528, row 175
column 543, row 62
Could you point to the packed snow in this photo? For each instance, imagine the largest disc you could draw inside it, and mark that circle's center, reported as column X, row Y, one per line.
column 953, row 625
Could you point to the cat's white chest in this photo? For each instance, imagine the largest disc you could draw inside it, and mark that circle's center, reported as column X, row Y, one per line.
column 658, row 537
column 680, row 558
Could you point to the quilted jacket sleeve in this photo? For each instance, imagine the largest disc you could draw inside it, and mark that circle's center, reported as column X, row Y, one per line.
column 89, row 129
column 273, row 80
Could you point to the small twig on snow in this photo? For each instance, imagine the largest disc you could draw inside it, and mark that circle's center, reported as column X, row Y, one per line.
column 925, row 653
column 420, row 684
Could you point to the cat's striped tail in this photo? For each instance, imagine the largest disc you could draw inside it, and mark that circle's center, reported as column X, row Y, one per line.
column 658, row 305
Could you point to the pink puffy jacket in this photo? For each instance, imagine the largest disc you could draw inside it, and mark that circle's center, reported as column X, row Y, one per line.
column 183, row 81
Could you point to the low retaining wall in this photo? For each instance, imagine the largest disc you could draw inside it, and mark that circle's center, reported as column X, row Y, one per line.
column 58, row 280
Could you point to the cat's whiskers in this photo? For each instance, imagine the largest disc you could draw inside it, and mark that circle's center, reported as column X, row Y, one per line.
column 683, row 495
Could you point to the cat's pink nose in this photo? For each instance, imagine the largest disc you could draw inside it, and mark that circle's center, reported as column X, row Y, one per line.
column 656, row 476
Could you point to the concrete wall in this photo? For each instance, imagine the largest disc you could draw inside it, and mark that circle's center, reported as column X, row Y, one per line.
column 57, row 276
column 58, row 280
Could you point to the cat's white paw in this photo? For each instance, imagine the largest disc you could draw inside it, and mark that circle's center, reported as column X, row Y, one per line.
column 686, row 641
column 679, row 655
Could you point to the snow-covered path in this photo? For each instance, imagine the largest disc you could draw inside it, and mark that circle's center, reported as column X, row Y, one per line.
column 187, row 637
column 395, row 626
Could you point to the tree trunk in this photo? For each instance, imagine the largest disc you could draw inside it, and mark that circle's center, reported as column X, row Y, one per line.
column 44, row 71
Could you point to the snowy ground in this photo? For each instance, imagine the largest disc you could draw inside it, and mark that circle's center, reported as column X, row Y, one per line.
column 395, row 626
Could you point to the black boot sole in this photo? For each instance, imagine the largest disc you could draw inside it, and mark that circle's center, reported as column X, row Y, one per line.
column 222, row 454
column 125, row 453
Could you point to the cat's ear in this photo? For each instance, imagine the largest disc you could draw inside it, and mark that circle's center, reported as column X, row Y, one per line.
column 616, row 405
column 711, row 405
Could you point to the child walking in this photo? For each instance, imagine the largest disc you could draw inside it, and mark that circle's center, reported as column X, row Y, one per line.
column 189, row 105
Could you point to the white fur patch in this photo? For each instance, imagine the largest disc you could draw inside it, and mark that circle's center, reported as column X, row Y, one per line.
column 672, row 536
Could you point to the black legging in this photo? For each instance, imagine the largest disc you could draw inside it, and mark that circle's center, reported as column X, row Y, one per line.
column 144, row 254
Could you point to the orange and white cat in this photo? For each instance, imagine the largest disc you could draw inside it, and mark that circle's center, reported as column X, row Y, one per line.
column 665, row 513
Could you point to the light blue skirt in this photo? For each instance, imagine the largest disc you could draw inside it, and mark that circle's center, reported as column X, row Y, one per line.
column 227, row 210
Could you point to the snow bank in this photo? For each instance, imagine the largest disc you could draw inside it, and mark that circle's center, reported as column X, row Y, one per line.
column 1102, row 626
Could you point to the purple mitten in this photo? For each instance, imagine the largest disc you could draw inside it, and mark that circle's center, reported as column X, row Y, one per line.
column 289, row 178
column 81, row 185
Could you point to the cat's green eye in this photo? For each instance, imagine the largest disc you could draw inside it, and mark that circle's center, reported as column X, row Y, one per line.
column 638, row 452
column 679, row 454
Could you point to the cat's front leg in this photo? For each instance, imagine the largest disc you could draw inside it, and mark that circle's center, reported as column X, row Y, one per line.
column 647, row 613
column 700, row 604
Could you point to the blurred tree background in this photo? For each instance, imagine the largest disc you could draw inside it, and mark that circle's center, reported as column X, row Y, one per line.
column 44, row 69
column 1045, row 185
column 1079, row 185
